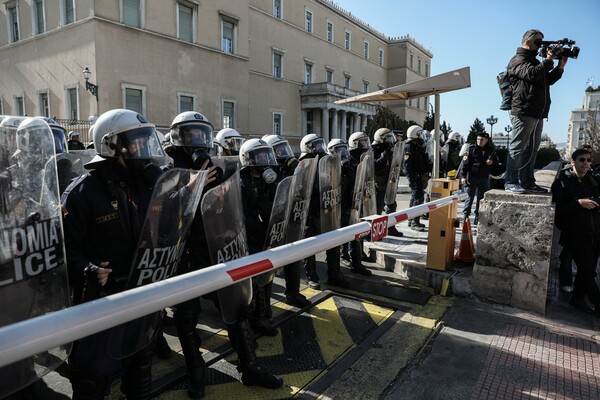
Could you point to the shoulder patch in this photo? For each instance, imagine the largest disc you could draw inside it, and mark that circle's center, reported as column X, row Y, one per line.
column 465, row 158
column 407, row 156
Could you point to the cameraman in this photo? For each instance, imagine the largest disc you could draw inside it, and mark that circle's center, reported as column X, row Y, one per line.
column 576, row 195
column 530, row 81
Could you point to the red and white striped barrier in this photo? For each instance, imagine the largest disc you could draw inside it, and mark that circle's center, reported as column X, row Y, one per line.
column 35, row 335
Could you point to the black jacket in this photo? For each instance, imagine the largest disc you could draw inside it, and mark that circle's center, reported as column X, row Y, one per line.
column 416, row 161
column 474, row 163
column 530, row 80
column 570, row 217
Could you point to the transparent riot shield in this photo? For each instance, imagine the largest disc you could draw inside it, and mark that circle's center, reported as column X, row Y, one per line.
column 358, row 193
column 71, row 165
column 369, row 206
column 395, row 168
column 330, row 187
column 228, row 164
column 79, row 158
column 304, row 177
column 278, row 223
column 33, row 273
column 226, row 238
column 160, row 250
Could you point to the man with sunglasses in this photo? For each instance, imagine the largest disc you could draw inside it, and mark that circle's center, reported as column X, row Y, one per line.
column 576, row 194
column 530, row 81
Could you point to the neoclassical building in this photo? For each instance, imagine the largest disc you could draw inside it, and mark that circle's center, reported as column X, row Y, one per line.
column 581, row 118
column 259, row 66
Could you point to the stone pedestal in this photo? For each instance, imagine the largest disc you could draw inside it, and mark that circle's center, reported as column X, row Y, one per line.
column 514, row 243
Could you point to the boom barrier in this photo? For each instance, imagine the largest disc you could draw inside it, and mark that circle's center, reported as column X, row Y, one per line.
column 26, row 338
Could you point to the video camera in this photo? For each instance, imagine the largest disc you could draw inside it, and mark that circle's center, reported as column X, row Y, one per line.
column 560, row 48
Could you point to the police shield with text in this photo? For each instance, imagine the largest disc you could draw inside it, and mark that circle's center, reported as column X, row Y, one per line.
column 33, row 274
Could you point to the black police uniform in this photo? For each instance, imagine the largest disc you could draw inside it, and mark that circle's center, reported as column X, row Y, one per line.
column 103, row 215
column 384, row 153
column 476, row 171
column 416, row 166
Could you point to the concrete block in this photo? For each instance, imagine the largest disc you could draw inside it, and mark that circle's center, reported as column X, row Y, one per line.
column 492, row 283
column 462, row 285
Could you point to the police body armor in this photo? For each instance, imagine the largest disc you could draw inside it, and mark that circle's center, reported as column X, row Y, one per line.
column 223, row 216
column 395, row 168
column 160, row 250
column 33, row 273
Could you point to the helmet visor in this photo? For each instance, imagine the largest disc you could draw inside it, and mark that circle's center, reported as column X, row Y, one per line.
column 60, row 142
column 234, row 143
column 342, row 150
column 317, row 146
column 363, row 143
column 141, row 143
column 390, row 138
column 283, row 150
column 260, row 157
column 195, row 135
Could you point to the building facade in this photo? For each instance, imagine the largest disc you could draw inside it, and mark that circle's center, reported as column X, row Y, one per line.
column 259, row 66
column 584, row 120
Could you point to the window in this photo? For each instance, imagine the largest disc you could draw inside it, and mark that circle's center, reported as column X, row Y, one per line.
column 308, row 21
column 228, row 114
column 365, row 87
column 277, row 123
column 419, row 66
column 72, row 108
column 277, row 61
column 13, row 24
column 131, row 12
column 419, row 102
column 329, row 74
column 347, row 81
column 185, row 22
column 37, row 7
column 380, row 57
column 426, row 70
column 1, row 106
column 186, row 102
column 366, row 50
column 330, row 31
column 20, row 106
column 44, row 104
column 277, row 9
column 411, row 61
column 308, row 73
column 410, row 103
column 134, row 98
column 228, row 36
column 68, row 12
column 347, row 40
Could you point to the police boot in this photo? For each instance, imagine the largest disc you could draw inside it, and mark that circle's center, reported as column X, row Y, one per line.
column 185, row 322
column 392, row 231
column 356, row 266
column 310, row 265
column 292, row 286
column 162, row 350
column 87, row 387
column 242, row 340
column 416, row 225
column 136, row 382
column 335, row 276
column 345, row 253
column 259, row 321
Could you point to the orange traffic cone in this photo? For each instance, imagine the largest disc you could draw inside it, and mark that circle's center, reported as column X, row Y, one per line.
column 466, row 249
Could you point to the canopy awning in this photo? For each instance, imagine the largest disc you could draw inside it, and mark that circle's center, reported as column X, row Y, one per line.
column 446, row 82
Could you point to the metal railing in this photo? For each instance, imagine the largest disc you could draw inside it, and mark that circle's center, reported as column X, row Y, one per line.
column 81, row 126
column 26, row 338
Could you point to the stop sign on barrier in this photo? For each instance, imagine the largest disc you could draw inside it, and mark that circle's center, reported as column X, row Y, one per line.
column 379, row 228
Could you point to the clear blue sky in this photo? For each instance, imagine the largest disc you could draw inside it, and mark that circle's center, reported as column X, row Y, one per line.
column 484, row 35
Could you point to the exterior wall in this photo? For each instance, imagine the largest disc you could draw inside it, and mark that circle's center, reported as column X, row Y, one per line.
column 578, row 123
column 153, row 59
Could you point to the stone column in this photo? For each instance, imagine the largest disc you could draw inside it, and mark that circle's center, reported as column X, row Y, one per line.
column 334, row 126
column 325, row 124
column 363, row 122
column 303, row 129
column 355, row 122
column 343, row 132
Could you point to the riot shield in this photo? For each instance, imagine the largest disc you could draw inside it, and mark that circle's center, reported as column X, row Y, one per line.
column 304, row 176
column 161, row 247
column 228, row 164
column 395, row 168
column 278, row 223
column 369, row 206
column 33, row 273
column 226, row 238
column 358, row 193
column 79, row 158
column 330, row 187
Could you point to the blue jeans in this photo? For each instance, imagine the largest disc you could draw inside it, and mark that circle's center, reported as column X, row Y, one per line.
column 475, row 186
column 523, row 149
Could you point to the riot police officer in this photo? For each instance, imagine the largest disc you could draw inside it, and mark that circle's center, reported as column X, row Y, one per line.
column 450, row 153
column 384, row 141
column 360, row 143
column 287, row 164
column 103, row 213
column 229, row 142
column 416, row 168
column 313, row 146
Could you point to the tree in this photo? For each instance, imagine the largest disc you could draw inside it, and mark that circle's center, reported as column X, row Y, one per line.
column 476, row 128
column 428, row 123
column 386, row 118
column 446, row 130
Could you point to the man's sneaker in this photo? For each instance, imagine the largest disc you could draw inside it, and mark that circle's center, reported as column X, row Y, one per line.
column 314, row 284
column 536, row 189
column 514, row 189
